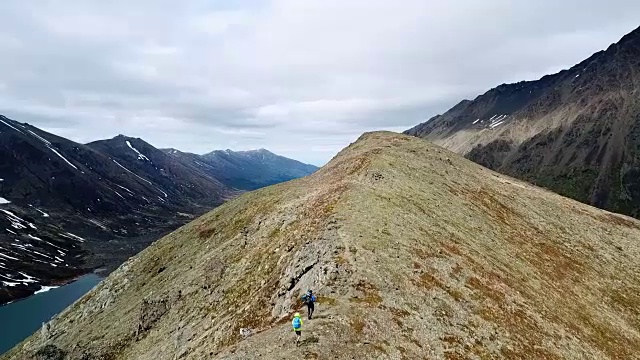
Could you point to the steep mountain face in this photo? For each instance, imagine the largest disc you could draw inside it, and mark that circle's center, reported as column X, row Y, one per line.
column 189, row 183
column 67, row 208
column 249, row 170
column 576, row 132
column 413, row 252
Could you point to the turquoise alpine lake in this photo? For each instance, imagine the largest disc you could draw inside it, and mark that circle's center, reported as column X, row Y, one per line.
column 22, row 318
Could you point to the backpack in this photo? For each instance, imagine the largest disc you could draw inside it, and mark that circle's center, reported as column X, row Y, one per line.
column 297, row 324
column 308, row 299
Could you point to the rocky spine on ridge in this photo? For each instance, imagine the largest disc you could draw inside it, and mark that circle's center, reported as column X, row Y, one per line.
column 413, row 252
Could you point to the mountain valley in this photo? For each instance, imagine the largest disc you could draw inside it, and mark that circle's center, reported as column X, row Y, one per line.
column 68, row 208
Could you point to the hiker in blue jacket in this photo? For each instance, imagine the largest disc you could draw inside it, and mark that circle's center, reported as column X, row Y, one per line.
column 309, row 299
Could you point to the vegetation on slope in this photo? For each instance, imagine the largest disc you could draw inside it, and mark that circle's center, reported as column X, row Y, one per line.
column 414, row 252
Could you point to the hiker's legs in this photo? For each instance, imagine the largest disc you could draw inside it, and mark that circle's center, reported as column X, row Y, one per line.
column 311, row 309
column 298, row 333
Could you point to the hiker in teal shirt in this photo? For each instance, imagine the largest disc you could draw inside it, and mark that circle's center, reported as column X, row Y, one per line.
column 297, row 327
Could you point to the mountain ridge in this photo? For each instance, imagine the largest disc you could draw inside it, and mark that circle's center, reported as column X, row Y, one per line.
column 248, row 170
column 574, row 132
column 412, row 251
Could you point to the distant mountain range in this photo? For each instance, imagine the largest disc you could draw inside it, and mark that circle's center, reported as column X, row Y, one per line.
column 68, row 208
column 576, row 132
column 246, row 170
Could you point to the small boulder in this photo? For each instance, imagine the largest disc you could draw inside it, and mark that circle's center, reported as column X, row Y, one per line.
column 246, row 332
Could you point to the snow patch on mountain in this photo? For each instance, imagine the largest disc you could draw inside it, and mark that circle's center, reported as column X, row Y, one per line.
column 136, row 175
column 45, row 289
column 50, row 147
column 140, row 155
column 17, row 222
column 2, row 121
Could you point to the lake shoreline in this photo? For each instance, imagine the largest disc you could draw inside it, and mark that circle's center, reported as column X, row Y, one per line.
column 28, row 293
column 24, row 317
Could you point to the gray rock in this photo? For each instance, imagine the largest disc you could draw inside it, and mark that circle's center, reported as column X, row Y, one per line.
column 246, row 332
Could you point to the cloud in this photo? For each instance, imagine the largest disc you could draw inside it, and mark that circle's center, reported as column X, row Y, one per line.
column 303, row 78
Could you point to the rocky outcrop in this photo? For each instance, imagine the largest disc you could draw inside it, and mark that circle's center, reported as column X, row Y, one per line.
column 50, row 352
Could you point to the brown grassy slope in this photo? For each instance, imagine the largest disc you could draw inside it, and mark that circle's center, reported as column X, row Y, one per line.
column 416, row 253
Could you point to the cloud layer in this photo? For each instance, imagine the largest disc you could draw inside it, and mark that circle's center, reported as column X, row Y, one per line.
column 302, row 78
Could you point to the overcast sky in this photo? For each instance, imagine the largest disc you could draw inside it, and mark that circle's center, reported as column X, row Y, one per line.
column 301, row 78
